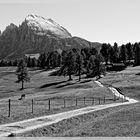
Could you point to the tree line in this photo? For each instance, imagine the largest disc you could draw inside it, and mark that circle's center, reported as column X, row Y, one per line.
column 73, row 62
column 111, row 54
column 86, row 61
column 121, row 54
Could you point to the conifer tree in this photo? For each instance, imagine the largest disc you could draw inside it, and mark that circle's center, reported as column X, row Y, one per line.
column 116, row 52
column 137, row 53
column 68, row 64
column 129, row 51
column 22, row 73
column 123, row 53
column 105, row 52
column 79, row 65
column 42, row 60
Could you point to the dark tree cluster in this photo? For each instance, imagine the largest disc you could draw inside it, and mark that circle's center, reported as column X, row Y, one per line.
column 121, row 54
column 50, row 60
column 4, row 63
column 73, row 62
column 85, row 61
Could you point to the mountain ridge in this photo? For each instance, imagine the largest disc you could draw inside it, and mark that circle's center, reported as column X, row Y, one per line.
column 36, row 35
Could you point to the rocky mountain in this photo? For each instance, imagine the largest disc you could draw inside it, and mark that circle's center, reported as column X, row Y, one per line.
column 35, row 35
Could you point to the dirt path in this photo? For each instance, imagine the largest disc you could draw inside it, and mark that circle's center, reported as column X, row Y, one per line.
column 30, row 124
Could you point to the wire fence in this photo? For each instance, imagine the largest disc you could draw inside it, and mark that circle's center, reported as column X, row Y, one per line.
column 11, row 108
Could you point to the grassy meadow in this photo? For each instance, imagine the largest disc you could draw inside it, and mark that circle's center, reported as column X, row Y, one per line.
column 121, row 121
column 43, row 87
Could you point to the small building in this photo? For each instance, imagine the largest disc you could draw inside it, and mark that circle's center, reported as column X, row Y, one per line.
column 36, row 55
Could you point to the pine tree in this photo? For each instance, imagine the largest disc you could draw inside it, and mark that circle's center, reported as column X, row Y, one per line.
column 68, row 64
column 100, row 68
column 42, row 60
column 111, row 54
column 29, row 64
column 90, row 69
column 33, row 62
column 129, row 51
column 105, row 52
column 123, row 53
column 137, row 54
column 79, row 65
column 95, row 66
column 22, row 73
column 116, row 53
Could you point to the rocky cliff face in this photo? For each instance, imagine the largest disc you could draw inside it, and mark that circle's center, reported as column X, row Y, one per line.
column 35, row 35
column 9, row 40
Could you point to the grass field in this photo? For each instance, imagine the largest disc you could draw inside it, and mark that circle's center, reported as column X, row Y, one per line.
column 43, row 87
column 118, row 121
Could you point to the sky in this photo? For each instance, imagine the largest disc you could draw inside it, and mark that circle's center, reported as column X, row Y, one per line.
column 104, row 21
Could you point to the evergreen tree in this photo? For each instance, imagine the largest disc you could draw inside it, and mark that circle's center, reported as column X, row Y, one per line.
column 123, row 53
column 95, row 66
column 93, row 51
column 116, row 53
column 129, row 51
column 137, row 53
column 33, row 62
column 68, row 64
column 105, row 52
column 91, row 67
column 22, row 73
column 59, row 60
column 79, row 65
column 111, row 54
column 100, row 68
column 42, row 60
column 28, row 61
column 15, row 62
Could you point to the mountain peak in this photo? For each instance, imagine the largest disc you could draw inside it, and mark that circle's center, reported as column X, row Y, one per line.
column 42, row 25
column 33, row 17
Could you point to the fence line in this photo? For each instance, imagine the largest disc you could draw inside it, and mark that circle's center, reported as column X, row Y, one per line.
column 54, row 103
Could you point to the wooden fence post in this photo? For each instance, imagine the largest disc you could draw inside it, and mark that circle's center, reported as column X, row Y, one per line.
column 9, row 111
column 64, row 103
column 93, row 101
column 84, row 100
column 76, row 101
column 99, row 100
column 114, row 98
column 104, row 99
column 32, row 106
column 49, row 104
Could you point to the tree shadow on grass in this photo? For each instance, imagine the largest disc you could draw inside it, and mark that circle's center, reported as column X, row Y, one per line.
column 52, row 84
column 138, row 74
column 71, row 83
column 64, row 85
column 85, row 81
column 67, row 83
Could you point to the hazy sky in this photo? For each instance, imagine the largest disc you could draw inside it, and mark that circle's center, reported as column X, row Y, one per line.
column 95, row 20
